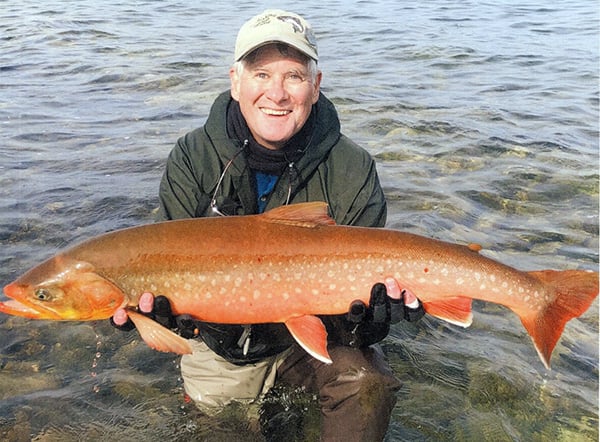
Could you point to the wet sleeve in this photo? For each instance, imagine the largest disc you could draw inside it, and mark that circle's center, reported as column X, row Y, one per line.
column 180, row 193
column 355, row 194
column 369, row 208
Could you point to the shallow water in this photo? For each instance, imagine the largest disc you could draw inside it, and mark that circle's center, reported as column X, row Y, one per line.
column 483, row 118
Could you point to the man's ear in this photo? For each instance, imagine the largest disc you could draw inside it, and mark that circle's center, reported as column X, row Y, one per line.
column 317, row 87
column 235, row 83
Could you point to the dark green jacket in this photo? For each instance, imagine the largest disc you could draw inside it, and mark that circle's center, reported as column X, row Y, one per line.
column 333, row 169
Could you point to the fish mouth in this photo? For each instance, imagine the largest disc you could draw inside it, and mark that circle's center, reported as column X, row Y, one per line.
column 20, row 308
column 16, row 308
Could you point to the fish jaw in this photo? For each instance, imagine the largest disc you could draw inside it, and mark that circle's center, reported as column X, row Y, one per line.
column 22, row 308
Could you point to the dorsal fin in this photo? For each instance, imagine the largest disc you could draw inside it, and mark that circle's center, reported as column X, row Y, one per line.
column 303, row 214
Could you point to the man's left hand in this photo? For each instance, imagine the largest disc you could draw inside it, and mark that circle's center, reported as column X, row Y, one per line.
column 365, row 325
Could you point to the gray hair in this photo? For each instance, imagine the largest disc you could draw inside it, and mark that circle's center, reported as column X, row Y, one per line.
column 311, row 64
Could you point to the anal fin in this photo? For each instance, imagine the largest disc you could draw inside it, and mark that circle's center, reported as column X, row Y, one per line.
column 455, row 310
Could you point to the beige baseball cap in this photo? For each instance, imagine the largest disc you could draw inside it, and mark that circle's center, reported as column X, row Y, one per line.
column 273, row 26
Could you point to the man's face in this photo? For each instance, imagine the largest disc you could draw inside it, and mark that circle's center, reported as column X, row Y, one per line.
column 276, row 93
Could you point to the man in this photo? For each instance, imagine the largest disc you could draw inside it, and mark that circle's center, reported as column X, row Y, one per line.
column 274, row 139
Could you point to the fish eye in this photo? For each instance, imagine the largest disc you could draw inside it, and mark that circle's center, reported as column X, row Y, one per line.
column 43, row 294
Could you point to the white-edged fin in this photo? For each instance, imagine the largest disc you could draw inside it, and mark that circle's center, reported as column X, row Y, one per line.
column 455, row 310
column 310, row 333
column 158, row 337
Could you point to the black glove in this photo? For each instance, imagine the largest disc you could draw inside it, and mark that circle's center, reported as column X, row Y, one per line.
column 161, row 312
column 366, row 325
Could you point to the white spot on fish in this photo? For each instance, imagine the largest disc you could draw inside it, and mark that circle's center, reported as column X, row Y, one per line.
column 460, row 281
column 332, row 286
column 256, row 294
column 286, row 296
column 201, row 278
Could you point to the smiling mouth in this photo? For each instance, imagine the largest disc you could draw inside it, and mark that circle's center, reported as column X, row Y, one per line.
column 274, row 112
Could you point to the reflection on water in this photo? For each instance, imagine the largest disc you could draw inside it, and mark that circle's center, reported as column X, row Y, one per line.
column 483, row 119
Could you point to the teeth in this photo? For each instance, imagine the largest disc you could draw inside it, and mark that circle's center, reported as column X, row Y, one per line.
column 275, row 112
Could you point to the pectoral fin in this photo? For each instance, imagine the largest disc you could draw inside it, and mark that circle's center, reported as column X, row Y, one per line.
column 310, row 333
column 158, row 337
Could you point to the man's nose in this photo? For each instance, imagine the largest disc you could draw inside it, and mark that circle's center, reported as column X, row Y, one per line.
column 276, row 90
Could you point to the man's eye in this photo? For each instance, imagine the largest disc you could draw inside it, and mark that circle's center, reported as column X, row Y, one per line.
column 295, row 78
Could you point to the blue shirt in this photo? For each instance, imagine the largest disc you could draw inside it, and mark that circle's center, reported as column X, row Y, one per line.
column 265, row 183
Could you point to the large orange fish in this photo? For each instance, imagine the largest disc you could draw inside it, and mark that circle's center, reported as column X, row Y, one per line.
column 286, row 265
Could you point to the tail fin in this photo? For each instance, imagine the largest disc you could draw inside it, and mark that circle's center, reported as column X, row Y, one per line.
column 575, row 291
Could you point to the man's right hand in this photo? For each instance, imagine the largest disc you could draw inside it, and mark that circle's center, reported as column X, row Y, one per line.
column 159, row 309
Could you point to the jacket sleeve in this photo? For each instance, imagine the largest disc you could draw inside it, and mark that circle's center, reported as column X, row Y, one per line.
column 181, row 193
column 354, row 191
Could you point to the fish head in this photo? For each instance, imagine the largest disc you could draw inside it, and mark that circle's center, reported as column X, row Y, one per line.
column 62, row 289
